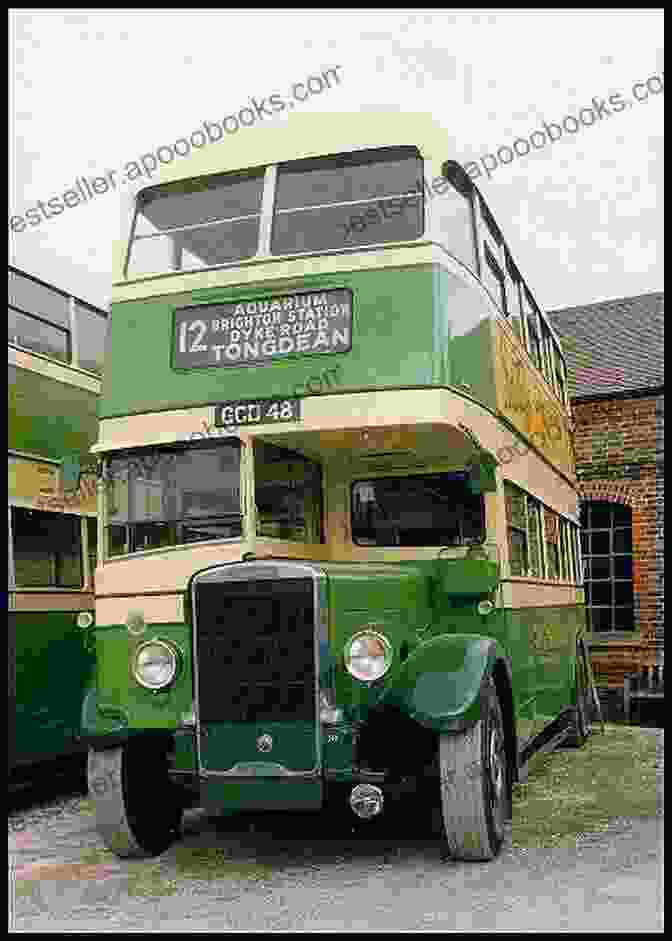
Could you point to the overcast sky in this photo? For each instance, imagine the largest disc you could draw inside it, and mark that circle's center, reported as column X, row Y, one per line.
column 92, row 90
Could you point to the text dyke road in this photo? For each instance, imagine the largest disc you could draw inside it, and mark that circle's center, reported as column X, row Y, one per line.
column 252, row 332
column 85, row 189
column 598, row 110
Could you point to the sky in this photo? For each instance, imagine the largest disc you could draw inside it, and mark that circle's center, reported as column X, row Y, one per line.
column 583, row 216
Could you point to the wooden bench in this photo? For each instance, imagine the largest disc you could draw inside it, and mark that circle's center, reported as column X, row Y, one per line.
column 647, row 684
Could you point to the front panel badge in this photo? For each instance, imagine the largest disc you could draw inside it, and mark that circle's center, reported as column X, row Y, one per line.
column 264, row 743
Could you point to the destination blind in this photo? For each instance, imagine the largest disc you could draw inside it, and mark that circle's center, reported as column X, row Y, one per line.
column 252, row 332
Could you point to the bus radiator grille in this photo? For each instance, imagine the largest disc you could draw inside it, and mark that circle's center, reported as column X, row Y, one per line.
column 255, row 650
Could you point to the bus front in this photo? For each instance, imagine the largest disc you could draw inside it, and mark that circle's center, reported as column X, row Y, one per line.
column 293, row 543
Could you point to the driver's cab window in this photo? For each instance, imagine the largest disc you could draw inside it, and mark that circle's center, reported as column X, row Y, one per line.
column 426, row 510
column 288, row 495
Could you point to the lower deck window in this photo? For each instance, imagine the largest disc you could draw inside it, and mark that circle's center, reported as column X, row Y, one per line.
column 47, row 549
column 427, row 510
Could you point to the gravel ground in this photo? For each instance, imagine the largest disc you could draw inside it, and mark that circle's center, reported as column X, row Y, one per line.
column 279, row 873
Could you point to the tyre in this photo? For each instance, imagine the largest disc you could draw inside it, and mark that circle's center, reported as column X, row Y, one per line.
column 138, row 809
column 476, row 784
column 580, row 723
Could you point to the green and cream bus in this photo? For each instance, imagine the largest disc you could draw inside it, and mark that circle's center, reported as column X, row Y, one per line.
column 337, row 503
column 55, row 351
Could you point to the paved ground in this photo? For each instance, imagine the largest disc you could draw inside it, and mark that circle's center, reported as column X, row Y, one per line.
column 288, row 874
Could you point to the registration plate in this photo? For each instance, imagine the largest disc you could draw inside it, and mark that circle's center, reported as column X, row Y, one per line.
column 257, row 412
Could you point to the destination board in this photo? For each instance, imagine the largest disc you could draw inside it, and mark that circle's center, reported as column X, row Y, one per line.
column 247, row 333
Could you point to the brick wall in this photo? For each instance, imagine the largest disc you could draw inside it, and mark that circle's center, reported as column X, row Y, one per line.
column 619, row 456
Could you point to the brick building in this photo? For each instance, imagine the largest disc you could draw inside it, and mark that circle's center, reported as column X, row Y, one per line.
column 614, row 352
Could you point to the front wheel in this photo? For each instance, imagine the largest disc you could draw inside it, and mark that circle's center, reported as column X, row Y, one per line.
column 476, row 784
column 138, row 809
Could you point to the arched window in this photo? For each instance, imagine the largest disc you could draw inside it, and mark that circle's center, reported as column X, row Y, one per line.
column 606, row 541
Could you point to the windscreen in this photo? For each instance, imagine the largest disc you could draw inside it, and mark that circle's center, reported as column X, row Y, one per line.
column 357, row 198
column 427, row 510
column 158, row 497
column 288, row 495
column 197, row 223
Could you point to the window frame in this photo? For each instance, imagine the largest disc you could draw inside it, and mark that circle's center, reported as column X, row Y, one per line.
column 509, row 485
column 588, row 530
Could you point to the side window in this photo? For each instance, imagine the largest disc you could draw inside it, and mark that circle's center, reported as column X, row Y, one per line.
column 532, row 324
column 516, row 525
column 47, row 549
column 552, row 535
column 493, row 247
column 560, row 374
column 494, row 279
column 92, row 541
column 566, row 561
column 534, row 535
column 513, row 284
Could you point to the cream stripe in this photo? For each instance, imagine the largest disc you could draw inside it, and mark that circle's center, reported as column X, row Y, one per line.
column 441, row 409
column 162, row 609
column 69, row 375
column 537, row 594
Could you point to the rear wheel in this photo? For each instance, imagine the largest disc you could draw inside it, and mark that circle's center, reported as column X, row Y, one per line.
column 476, row 784
column 138, row 809
column 581, row 726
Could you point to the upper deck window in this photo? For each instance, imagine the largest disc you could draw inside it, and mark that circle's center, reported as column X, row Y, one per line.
column 197, row 223
column 320, row 201
column 427, row 510
column 495, row 280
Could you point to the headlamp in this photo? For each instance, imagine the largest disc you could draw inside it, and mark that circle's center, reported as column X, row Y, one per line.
column 368, row 656
column 155, row 664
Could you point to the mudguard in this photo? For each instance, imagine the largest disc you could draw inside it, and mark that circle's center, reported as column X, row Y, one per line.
column 97, row 728
column 439, row 686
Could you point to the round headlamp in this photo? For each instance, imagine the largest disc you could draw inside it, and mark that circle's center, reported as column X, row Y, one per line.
column 368, row 656
column 155, row 664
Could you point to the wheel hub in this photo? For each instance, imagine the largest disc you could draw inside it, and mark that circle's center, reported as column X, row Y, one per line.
column 497, row 776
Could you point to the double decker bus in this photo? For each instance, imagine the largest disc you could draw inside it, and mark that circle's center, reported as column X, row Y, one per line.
column 339, row 561
column 55, row 352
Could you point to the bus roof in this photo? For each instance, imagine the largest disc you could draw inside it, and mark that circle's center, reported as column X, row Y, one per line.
column 299, row 136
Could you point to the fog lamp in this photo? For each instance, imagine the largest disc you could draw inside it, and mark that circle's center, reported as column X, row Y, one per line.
column 366, row 800
column 155, row 664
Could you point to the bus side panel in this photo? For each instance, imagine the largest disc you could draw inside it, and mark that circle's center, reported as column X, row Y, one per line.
column 51, row 668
